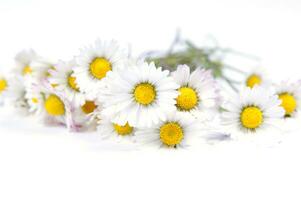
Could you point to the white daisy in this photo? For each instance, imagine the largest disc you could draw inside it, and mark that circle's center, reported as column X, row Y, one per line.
column 252, row 110
column 87, row 115
column 16, row 94
column 109, row 129
column 24, row 61
column 92, row 109
column 140, row 95
column 177, row 130
column 33, row 95
column 42, row 67
column 63, row 79
column 198, row 91
column 256, row 77
column 94, row 63
column 290, row 95
column 57, row 109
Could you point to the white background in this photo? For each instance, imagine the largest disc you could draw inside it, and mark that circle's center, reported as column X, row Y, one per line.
column 49, row 163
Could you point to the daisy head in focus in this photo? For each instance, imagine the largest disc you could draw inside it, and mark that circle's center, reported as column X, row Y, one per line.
column 140, row 95
column 109, row 129
column 289, row 94
column 24, row 60
column 256, row 77
column 198, row 90
column 63, row 79
column 179, row 129
column 95, row 62
column 252, row 111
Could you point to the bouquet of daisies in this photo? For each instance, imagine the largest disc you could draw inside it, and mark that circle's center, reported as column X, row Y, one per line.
column 167, row 99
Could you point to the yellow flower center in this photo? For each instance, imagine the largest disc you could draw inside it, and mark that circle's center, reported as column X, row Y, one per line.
column 123, row 130
column 187, row 99
column 72, row 83
column 253, row 80
column 54, row 105
column 35, row 100
column 89, row 107
column 289, row 103
column 27, row 70
column 251, row 117
column 171, row 134
column 99, row 67
column 144, row 93
column 3, row 85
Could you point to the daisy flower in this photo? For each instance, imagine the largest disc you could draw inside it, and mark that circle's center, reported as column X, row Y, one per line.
column 16, row 93
column 62, row 77
column 94, row 63
column 256, row 77
column 33, row 96
column 198, row 90
column 252, row 110
column 109, row 129
column 177, row 130
column 140, row 95
column 87, row 115
column 290, row 95
column 24, row 61
column 56, row 108
column 43, row 67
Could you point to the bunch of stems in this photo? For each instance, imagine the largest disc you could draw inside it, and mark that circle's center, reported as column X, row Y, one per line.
column 194, row 56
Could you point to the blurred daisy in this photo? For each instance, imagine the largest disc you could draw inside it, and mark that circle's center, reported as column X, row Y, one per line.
column 33, row 96
column 89, row 107
column 87, row 115
column 63, row 79
column 198, row 91
column 177, row 130
column 3, row 88
column 43, row 67
column 56, row 108
column 109, row 129
column 140, row 95
column 94, row 62
column 252, row 110
column 256, row 77
column 16, row 94
column 290, row 96
column 24, row 61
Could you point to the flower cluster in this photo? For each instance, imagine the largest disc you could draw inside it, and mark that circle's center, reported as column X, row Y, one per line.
column 104, row 89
